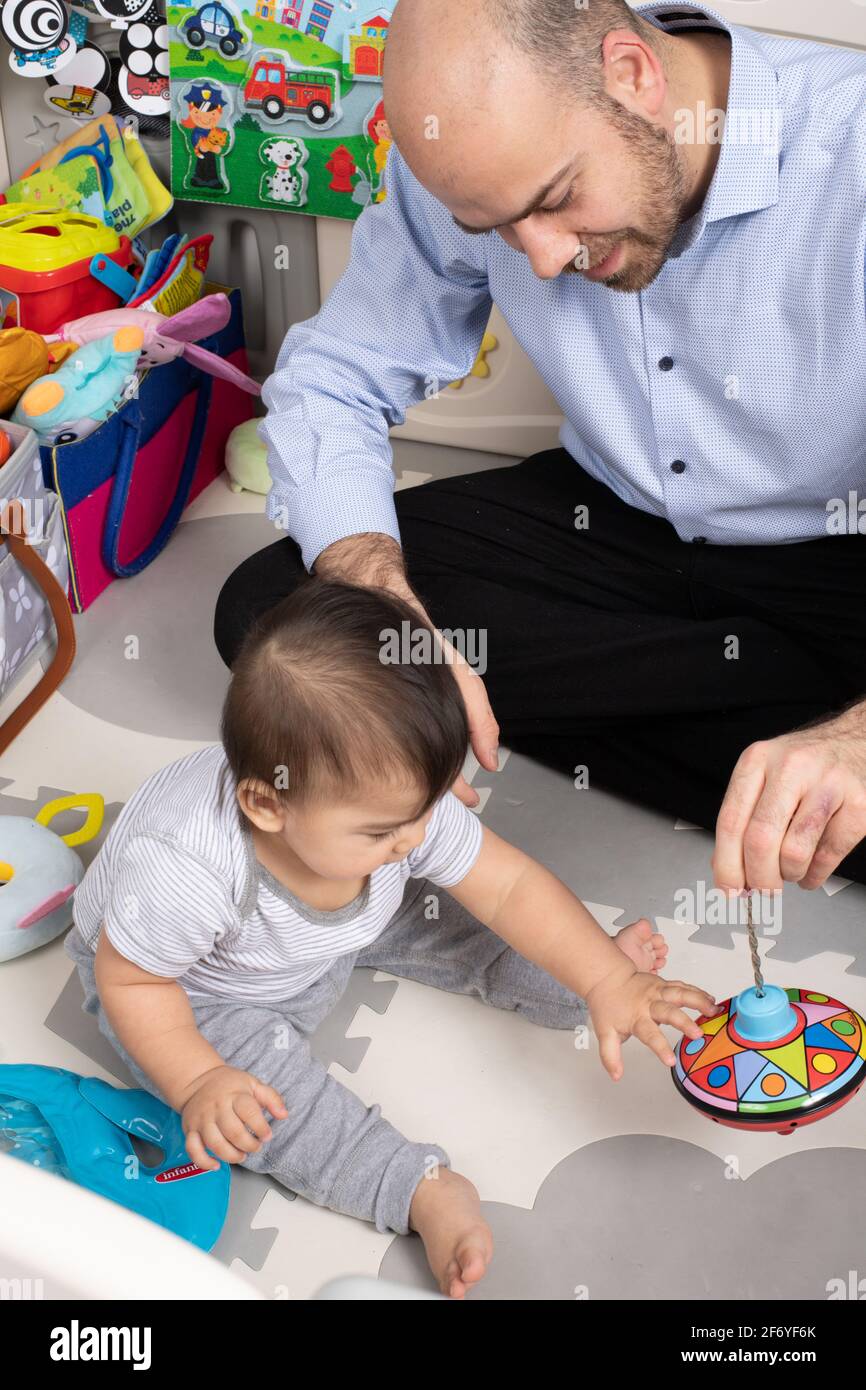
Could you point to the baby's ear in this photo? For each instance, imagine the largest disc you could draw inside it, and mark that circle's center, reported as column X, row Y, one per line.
column 261, row 804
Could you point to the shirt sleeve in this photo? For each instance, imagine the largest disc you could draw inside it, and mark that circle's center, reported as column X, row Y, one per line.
column 166, row 907
column 406, row 318
column 451, row 845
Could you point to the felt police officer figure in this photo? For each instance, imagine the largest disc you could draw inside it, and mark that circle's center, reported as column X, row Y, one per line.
column 209, row 135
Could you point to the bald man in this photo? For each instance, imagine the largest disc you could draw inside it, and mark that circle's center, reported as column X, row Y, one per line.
column 674, row 601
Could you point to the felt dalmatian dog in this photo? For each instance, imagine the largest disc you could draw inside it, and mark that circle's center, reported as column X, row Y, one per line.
column 287, row 183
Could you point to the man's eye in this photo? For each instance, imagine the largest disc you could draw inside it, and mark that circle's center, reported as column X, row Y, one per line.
column 560, row 207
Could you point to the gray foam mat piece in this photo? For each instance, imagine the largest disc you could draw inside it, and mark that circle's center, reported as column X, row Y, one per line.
column 239, row 1239
column 66, row 821
column 645, row 1217
column 612, row 851
column 329, row 1042
column 68, row 1021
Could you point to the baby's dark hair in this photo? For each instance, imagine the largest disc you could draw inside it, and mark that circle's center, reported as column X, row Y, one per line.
column 317, row 707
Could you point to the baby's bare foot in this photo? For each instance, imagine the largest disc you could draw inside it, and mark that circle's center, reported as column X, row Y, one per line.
column 446, row 1213
column 646, row 948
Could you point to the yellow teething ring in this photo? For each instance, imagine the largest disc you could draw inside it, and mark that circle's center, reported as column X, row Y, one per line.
column 92, row 802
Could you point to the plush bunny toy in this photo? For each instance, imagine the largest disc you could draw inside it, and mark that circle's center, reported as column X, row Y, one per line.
column 167, row 338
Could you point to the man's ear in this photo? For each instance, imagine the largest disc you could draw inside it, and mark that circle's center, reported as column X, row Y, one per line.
column 261, row 805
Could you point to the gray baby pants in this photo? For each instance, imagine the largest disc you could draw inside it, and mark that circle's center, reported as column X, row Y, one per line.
column 333, row 1149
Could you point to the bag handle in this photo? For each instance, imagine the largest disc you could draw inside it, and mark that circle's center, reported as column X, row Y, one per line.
column 123, row 481
column 13, row 530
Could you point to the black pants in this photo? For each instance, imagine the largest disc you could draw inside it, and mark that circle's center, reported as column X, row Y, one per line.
column 652, row 661
column 206, row 173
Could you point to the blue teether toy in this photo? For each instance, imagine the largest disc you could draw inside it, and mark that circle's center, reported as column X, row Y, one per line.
column 79, row 1128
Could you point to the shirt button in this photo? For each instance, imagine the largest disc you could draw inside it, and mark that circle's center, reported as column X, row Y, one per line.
column 678, row 466
column 665, row 364
column 699, row 540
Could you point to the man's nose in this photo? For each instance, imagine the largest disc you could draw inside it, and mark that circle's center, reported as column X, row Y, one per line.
column 547, row 248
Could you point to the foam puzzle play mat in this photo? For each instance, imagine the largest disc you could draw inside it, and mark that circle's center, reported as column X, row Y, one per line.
column 403, row 1045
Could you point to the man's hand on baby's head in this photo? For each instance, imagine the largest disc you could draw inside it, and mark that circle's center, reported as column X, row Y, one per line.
column 224, row 1116
column 632, row 1003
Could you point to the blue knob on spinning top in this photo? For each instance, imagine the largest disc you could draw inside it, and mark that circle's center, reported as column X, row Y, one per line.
column 763, row 1017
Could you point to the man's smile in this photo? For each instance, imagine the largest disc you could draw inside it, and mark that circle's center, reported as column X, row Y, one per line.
column 609, row 266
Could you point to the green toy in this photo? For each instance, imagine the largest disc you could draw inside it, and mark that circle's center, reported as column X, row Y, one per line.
column 247, row 459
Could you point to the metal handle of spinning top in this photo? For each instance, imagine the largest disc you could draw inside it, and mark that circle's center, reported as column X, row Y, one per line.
column 762, row 1013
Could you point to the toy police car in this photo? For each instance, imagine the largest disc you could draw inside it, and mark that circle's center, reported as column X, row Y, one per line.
column 214, row 24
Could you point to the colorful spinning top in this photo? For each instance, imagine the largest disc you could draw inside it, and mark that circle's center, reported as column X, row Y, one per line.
column 773, row 1059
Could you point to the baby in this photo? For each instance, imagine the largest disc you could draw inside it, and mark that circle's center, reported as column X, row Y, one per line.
column 223, row 916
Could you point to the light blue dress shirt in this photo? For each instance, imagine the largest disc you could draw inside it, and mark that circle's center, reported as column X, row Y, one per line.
column 761, row 304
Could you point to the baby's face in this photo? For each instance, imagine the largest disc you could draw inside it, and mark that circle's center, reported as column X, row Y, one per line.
column 349, row 839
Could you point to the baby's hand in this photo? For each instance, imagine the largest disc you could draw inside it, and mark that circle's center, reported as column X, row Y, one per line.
column 224, row 1115
column 629, row 1002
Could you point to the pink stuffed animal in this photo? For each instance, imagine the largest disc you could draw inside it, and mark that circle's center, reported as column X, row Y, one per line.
column 166, row 338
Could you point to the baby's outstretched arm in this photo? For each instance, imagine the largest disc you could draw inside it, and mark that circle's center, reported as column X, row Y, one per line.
column 221, row 1107
column 544, row 921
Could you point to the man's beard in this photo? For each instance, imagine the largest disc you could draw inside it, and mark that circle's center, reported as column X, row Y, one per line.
column 663, row 195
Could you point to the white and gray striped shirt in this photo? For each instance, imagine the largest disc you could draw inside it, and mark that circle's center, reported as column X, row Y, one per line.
column 181, row 893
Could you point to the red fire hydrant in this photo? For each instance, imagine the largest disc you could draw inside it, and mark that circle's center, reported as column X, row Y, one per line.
column 343, row 167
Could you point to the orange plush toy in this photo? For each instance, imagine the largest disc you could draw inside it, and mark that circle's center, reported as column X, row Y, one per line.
column 23, row 358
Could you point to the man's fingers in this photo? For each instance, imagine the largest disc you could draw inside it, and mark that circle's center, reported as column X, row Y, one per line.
column 744, row 789
column 807, row 829
column 483, row 728
column 762, row 842
column 795, row 807
column 843, row 832
column 462, row 790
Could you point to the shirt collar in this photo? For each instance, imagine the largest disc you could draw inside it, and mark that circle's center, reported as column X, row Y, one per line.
column 746, row 177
